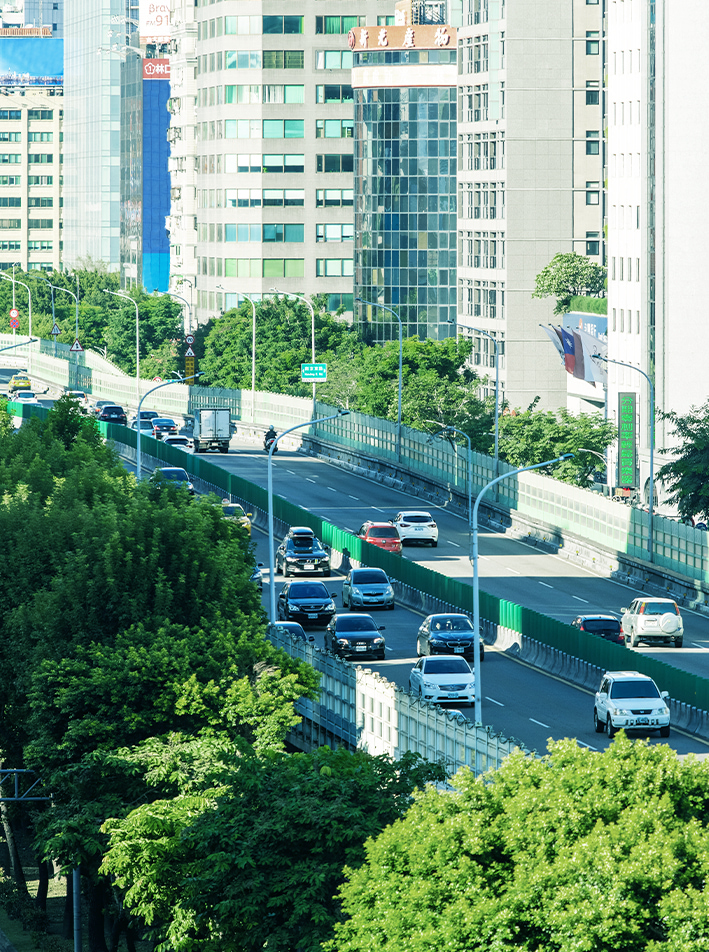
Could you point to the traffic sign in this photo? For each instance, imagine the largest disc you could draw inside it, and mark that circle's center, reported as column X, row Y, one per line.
column 14, row 323
column 55, row 332
column 189, row 339
column 189, row 352
column 76, row 347
column 313, row 371
column 157, row 379
column 14, row 312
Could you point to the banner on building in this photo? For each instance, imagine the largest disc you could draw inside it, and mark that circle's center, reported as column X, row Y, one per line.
column 154, row 21
column 627, row 439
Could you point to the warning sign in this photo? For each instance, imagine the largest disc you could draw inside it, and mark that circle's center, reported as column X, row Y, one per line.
column 76, row 347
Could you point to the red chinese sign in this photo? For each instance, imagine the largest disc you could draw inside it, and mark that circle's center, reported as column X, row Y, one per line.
column 156, row 69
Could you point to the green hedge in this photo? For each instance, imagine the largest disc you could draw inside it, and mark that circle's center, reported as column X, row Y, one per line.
column 590, row 305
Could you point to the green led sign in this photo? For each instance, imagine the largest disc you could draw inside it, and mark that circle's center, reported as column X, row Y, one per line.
column 627, row 439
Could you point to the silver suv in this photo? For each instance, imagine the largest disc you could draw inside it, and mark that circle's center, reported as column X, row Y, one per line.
column 630, row 700
column 654, row 621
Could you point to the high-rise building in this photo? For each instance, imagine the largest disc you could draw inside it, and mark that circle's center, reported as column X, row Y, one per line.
column 273, row 152
column 45, row 13
column 658, row 198
column 531, row 176
column 31, row 107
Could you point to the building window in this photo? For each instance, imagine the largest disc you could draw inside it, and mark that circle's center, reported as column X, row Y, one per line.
column 630, row 269
column 40, row 223
column 283, row 268
column 243, row 59
column 10, row 223
column 40, row 159
column 593, row 244
column 283, row 59
column 333, row 59
column 13, row 179
column 242, row 26
column 39, row 245
column 333, row 94
column 40, row 136
column 334, row 267
column 14, row 246
column 592, row 43
column 283, row 197
column 334, row 128
column 242, row 94
column 385, row 21
column 333, row 25
column 592, row 142
column 334, row 197
column 15, row 137
column 614, row 327
column 334, row 162
column 593, row 95
column 637, row 322
column 284, row 94
column 285, row 24
column 620, row 278
column 11, row 201
column 637, row 269
column 480, row 54
column 334, row 232
column 592, row 197
column 35, row 180
column 17, row 114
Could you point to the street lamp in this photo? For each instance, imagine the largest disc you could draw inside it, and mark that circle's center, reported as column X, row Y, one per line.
column 300, row 297
column 271, row 545
column 476, row 584
column 620, row 363
column 137, row 339
column 76, row 301
column 184, row 300
column 452, row 429
column 384, row 307
column 165, row 383
column 29, row 295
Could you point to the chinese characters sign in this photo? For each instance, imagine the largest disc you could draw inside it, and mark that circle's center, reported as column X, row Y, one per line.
column 626, row 439
column 156, row 69
column 425, row 36
column 154, row 21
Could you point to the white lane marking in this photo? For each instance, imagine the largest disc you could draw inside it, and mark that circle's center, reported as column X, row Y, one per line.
column 512, row 570
column 377, row 509
column 353, row 497
column 493, row 701
column 584, row 600
column 453, row 543
column 291, row 472
column 545, row 584
column 581, row 744
column 540, row 723
column 332, row 490
column 695, row 644
column 309, row 479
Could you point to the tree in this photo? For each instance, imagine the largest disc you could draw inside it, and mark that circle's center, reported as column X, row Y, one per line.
column 578, row 850
column 532, row 437
column 251, row 855
column 686, row 473
column 568, row 275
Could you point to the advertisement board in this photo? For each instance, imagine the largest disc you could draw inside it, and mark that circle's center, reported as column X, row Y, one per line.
column 154, row 21
column 31, row 61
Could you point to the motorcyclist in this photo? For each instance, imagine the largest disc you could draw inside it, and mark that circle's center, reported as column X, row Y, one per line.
column 269, row 437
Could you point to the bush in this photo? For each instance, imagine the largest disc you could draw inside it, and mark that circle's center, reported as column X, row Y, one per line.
column 589, row 305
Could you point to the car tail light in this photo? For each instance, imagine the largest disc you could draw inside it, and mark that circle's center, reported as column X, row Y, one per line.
column 582, row 627
column 404, row 525
column 642, row 609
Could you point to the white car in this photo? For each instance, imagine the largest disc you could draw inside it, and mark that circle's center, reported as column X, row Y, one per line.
column 416, row 526
column 181, row 442
column 654, row 621
column 443, row 678
column 26, row 396
column 632, row 701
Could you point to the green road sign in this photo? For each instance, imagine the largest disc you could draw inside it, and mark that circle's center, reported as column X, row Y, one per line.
column 313, row 372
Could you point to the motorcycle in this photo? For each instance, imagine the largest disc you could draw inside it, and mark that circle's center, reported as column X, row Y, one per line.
column 268, row 443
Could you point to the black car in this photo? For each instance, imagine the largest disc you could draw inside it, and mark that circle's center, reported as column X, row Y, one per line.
column 353, row 635
column 301, row 552
column 292, row 627
column 605, row 626
column 173, row 474
column 113, row 414
column 163, row 426
column 310, row 603
column 448, row 634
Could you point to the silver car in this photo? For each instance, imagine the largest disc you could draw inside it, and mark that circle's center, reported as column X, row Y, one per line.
column 367, row 588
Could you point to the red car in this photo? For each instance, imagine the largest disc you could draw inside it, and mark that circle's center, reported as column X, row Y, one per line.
column 383, row 534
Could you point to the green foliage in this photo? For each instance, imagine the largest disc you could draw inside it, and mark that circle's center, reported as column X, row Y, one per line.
column 589, row 305
column 576, row 852
column 686, row 473
column 532, row 437
column 252, row 856
column 567, row 276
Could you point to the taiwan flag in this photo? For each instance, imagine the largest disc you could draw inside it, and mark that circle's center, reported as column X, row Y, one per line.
column 567, row 340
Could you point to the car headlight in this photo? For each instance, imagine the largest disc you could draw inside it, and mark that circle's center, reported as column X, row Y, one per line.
column 663, row 711
column 470, row 686
column 620, row 710
column 343, row 641
column 378, row 641
column 190, row 487
column 330, row 607
column 389, row 590
column 436, row 640
column 431, row 685
column 291, row 558
column 357, row 592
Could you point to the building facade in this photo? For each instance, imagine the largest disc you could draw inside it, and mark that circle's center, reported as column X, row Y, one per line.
column 405, row 96
column 31, row 119
column 531, row 176
column 273, row 150
column 48, row 13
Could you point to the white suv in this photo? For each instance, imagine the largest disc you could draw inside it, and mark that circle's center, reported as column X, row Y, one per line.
column 630, row 700
column 654, row 621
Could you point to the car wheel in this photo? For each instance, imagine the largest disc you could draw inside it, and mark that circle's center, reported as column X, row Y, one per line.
column 597, row 725
column 665, row 731
column 610, row 730
column 382, row 656
column 391, row 607
column 633, row 640
column 434, row 544
column 345, row 604
column 326, row 573
column 679, row 642
column 286, row 572
column 419, row 653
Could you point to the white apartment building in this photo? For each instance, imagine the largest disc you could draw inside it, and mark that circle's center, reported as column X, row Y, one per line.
column 268, row 125
column 658, row 198
column 530, row 176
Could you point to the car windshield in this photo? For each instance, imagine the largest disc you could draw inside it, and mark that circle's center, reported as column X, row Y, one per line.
column 304, row 542
column 179, row 475
column 639, row 687
column 159, row 421
column 308, row 590
column 113, row 409
column 416, row 517
column 177, row 440
column 601, row 624
column 369, row 577
column 27, row 395
column 658, row 608
column 446, row 666
column 383, row 532
column 450, row 623
column 355, row 623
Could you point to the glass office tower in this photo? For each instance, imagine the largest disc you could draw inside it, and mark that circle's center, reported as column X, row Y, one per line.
column 404, row 80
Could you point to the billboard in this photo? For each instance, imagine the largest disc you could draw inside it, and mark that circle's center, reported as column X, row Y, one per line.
column 154, row 21
column 31, row 61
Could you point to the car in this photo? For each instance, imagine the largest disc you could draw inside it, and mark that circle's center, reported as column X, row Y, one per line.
column 447, row 634
column 235, row 513
column 146, row 427
column 163, row 426
column 605, row 626
column 100, row 404
column 382, row 534
column 442, row 679
column 292, row 628
column 181, row 442
column 310, row 603
column 302, row 552
column 173, row 474
column 257, row 576
column 81, row 398
column 654, row 621
column 367, row 588
column 147, row 415
column 351, row 635
column 631, row 701
column 26, row 396
column 415, row 525
column 20, row 381
column 113, row 414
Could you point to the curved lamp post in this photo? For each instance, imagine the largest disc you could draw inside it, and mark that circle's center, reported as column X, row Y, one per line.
column 391, row 310
column 76, row 302
column 452, row 429
column 271, row 546
column 650, row 527
column 165, row 383
column 184, row 300
column 29, row 295
column 476, row 582
column 127, row 297
column 479, row 330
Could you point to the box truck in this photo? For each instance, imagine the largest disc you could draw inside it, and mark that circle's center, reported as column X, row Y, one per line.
column 212, row 429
